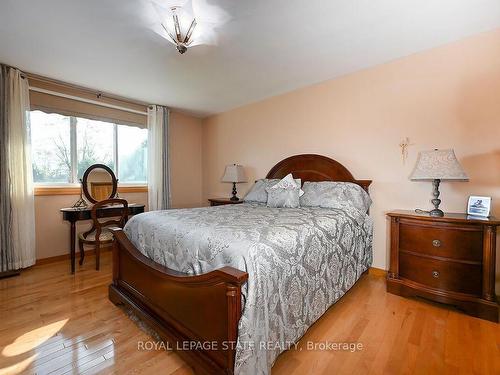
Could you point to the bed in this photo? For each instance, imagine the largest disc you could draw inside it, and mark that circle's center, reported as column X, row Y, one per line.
column 205, row 305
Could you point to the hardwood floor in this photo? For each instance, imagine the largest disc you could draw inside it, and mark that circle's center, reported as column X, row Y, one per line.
column 53, row 322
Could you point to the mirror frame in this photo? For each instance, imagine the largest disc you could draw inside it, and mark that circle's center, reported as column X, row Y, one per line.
column 86, row 176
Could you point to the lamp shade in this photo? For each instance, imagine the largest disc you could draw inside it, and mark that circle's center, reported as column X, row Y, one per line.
column 438, row 165
column 234, row 173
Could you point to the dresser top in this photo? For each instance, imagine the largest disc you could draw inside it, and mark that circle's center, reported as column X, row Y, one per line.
column 448, row 217
column 225, row 200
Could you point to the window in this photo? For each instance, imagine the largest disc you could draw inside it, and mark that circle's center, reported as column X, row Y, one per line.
column 132, row 154
column 50, row 139
column 95, row 144
column 63, row 147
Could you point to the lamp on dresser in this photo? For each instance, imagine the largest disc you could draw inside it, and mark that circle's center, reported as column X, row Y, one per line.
column 234, row 173
column 435, row 166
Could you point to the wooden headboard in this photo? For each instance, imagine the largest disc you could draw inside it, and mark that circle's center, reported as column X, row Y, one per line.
column 310, row 167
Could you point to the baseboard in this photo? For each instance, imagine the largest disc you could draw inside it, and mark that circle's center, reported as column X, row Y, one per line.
column 377, row 272
column 5, row 274
column 66, row 257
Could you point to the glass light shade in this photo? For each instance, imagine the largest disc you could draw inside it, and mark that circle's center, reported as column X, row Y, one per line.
column 234, row 173
column 438, row 165
column 207, row 16
column 179, row 23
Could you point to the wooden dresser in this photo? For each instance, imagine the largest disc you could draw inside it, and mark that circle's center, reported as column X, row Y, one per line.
column 448, row 259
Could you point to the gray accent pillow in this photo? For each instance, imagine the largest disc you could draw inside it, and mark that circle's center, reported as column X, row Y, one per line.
column 258, row 191
column 329, row 194
column 283, row 197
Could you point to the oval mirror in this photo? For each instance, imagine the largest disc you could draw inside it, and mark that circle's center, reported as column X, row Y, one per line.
column 99, row 183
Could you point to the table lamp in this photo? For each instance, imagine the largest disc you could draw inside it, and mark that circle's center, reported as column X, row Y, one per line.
column 435, row 166
column 234, row 173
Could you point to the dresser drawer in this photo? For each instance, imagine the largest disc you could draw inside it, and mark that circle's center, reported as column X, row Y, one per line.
column 442, row 241
column 448, row 276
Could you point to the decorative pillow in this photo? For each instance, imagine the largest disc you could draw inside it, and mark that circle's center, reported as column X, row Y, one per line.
column 285, row 193
column 288, row 182
column 283, row 197
column 258, row 191
column 331, row 194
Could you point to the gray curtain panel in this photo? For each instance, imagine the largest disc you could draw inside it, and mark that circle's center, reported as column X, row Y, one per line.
column 158, row 158
column 165, row 160
column 6, row 249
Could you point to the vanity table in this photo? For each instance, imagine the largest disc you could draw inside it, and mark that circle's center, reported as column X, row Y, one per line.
column 78, row 214
column 98, row 183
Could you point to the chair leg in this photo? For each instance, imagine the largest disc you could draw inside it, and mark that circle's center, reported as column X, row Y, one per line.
column 97, row 255
column 82, row 252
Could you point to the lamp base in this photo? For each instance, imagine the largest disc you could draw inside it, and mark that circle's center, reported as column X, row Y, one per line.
column 436, row 213
column 234, row 198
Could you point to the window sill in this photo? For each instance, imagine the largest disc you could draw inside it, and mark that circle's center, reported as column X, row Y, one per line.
column 75, row 190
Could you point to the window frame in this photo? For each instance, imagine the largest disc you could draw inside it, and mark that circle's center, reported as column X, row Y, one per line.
column 43, row 190
column 74, row 187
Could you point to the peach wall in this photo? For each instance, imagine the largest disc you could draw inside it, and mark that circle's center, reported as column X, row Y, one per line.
column 447, row 97
column 52, row 233
column 185, row 157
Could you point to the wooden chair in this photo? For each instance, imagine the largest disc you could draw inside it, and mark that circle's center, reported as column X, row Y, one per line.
column 100, row 234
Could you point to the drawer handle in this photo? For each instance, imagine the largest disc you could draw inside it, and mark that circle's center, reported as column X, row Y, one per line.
column 436, row 243
column 435, row 274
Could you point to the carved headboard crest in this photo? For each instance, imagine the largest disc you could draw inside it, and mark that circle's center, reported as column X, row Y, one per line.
column 311, row 167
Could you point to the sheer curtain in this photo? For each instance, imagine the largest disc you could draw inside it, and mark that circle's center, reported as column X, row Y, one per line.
column 158, row 158
column 17, row 213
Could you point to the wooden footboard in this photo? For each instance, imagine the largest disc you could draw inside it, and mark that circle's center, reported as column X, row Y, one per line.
column 196, row 315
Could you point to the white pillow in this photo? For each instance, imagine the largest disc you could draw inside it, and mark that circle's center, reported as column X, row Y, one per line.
column 288, row 182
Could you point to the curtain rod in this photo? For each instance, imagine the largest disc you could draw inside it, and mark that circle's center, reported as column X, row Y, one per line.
column 28, row 76
column 89, row 101
column 93, row 92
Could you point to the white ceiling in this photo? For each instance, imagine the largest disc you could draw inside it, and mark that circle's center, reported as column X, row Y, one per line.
column 267, row 48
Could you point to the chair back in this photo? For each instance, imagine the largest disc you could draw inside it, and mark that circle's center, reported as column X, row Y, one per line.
column 119, row 221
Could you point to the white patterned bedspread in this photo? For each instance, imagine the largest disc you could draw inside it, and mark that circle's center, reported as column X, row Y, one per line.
column 300, row 261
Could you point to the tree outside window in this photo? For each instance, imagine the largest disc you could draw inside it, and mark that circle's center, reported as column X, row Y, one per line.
column 123, row 148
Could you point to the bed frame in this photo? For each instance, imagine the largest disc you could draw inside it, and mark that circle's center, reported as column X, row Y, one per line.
column 198, row 315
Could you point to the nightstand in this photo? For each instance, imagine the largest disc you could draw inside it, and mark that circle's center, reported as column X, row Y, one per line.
column 448, row 259
column 222, row 201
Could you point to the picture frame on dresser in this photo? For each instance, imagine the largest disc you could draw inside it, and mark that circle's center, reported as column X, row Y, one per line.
column 479, row 206
column 449, row 259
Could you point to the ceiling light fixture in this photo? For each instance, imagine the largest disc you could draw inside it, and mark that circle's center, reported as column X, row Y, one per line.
column 188, row 23
column 180, row 27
